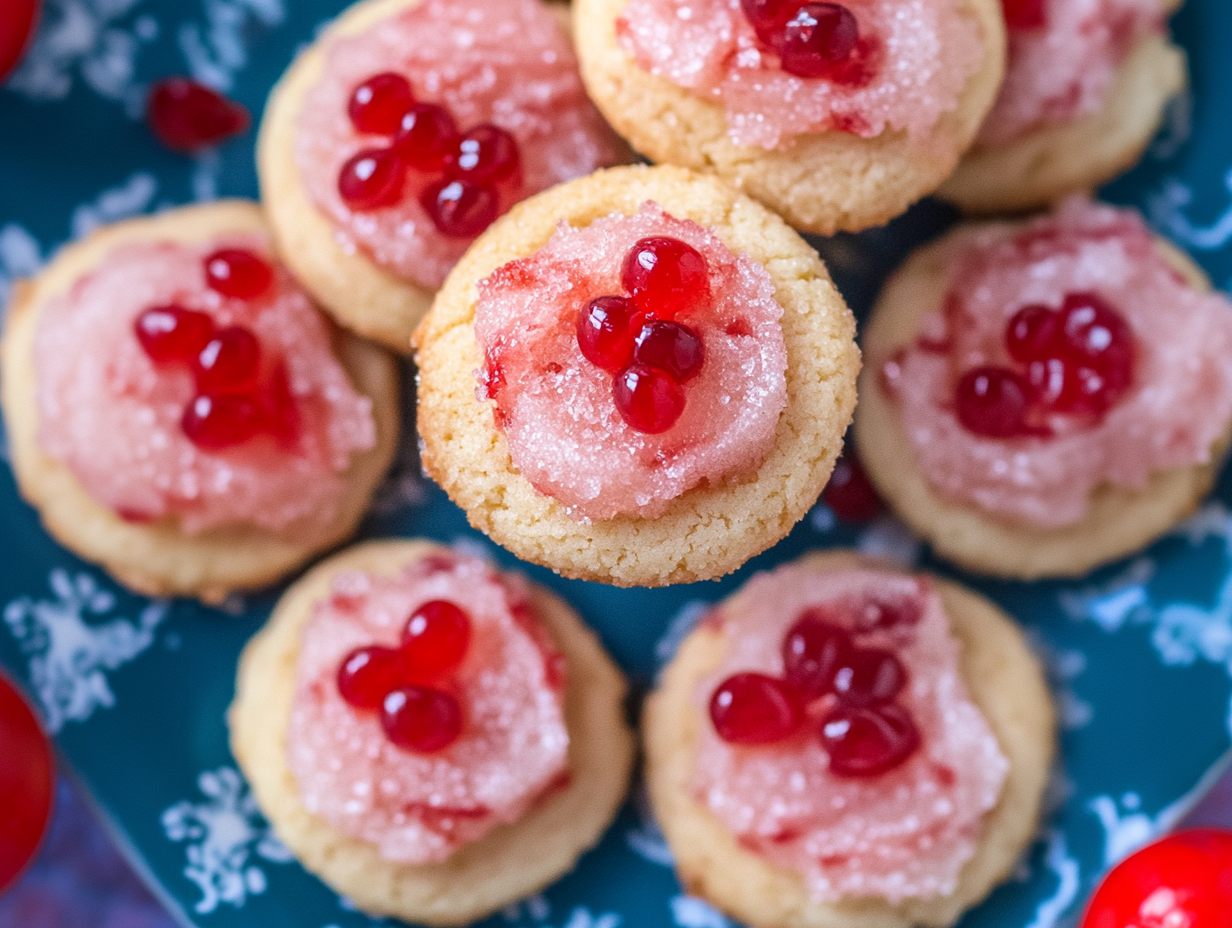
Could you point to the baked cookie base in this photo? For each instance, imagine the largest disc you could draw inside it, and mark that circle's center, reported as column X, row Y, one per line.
column 709, row 530
column 508, row 863
column 1004, row 680
column 158, row 558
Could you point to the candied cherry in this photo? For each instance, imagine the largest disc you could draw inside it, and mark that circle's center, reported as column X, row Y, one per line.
column 372, row 178
column 367, row 675
column 665, row 277
column 752, row 708
column 27, row 783
column 214, row 423
column 379, row 103
column 187, row 116
column 229, row 362
column 649, row 400
column 173, row 333
column 459, row 208
column 817, row 39
column 1024, row 14
column 670, row 347
column 992, row 402
column 421, row 718
column 238, row 273
column 16, row 30
column 426, row 137
column 604, row 332
column 435, row 638
column 849, row 492
column 868, row 742
column 869, row 677
column 484, row 154
column 1181, row 881
column 813, row 651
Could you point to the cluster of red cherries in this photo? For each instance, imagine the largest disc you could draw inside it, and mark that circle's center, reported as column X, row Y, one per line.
column 864, row 731
column 637, row 337
column 1024, row 14
column 237, row 395
column 811, row 39
column 467, row 169
column 1078, row 360
column 405, row 683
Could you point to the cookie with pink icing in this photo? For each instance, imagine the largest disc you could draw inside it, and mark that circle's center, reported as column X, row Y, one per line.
column 404, row 131
column 840, row 739
column 1086, row 88
column 434, row 738
column 181, row 412
column 836, row 115
column 1059, row 390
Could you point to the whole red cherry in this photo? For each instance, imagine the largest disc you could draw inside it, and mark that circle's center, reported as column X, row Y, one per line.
column 27, row 783
column 17, row 21
column 1181, row 881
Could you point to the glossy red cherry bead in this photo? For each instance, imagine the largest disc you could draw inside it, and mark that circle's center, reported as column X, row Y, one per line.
column 1024, row 14
column 367, row 675
column 187, row 116
column 813, row 651
column 371, row 179
column 752, row 708
column 1032, row 333
column 869, row 677
column 229, row 362
column 850, row 494
column 460, row 209
column 214, row 423
column 379, row 103
column 435, row 638
column 992, row 402
column 426, row 138
column 665, row 277
column 817, row 39
column 605, row 330
column 238, row 273
column 868, row 742
column 421, row 718
column 27, row 783
column 767, row 17
column 173, row 333
column 648, row 400
column 670, row 347
column 483, row 155
column 17, row 28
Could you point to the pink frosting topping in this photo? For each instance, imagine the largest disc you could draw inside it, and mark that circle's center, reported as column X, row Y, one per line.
column 113, row 416
column 513, row 747
column 1178, row 406
column 556, row 409
column 920, row 54
column 903, row 834
column 1064, row 68
column 506, row 62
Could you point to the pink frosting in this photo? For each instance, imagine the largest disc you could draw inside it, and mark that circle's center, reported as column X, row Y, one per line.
column 925, row 52
column 902, row 835
column 507, row 62
column 113, row 416
column 555, row 407
column 1180, row 403
column 513, row 750
column 1066, row 68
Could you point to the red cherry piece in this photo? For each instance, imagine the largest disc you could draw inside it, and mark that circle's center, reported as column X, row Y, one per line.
column 649, row 400
column 379, row 103
column 459, row 208
column 752, row 708
column 186, row 116
column 485, row 154
column 16, row 30
column 992, row 402
column 666, row 277
column 605, row 332
column 1024, row 14
column 173, row 333
column 435, row 638
column 367, row 675
column 869, row 677
column 868, row 742
column 1181, row 881
column 1032, row 333
column 238, row 273
column 426, row 137
column 672, row 348
column 27, row 783
column 229, row 362
column 813, row 650
column 371, row 179
column 421, row 719
column 767, row 17
column 214, row 423
column 849, row 493
column 1098, row 338
column 817, row 39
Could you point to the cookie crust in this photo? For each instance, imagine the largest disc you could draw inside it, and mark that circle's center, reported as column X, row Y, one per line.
column 1119, row 520
column 158, row 559
column 825, row 182
column 1006, row 683
column 709, row 530
column 508, row 863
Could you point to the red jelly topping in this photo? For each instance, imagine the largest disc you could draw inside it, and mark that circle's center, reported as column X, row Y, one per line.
column 1024, row 14
column 238, row 273
column 173, row 333
column 813, row 651
column 992, row 401
column 868, row 742
column 367, row 675
column 187, row 116
column 675, row 349
column 752, row 708
column 647, row 399
column 421, row 718
column 215, row 423
column 426, row 137
column 379, row 103
column 229, row 362
column 849, row 493
column 869, row 677
column 372, row 178
column 485, row 154
column 436, row 638
column 605, row 332
column 459, row 208
column 27, row 783
column 818, row 40
column 666, row 277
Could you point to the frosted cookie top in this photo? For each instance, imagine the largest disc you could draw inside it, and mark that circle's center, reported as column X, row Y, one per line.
column 429, row 707
column 1068, row 353
column 430, row 124
column 840, row 741
column 199, row 382
column 781, row 68
column 1063, row 58
column 630, row 360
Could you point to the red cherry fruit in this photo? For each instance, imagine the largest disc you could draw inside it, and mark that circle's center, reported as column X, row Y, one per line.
column 214, row 423
column 238, row 273
column 665, row 277
column 818, row 39
column 17, row 23
column 1181, row 881
column 367, row 675
column 992, row 402
column 649, row 400
column 752, row 708
column 813, row 651
column 379, row 103
column 435, row 638
column 670, row 347
column 229, row 362
column 459, row 208
column 173, row 333
column 421, row 719
column 849, row 493
column 1024, row 14
column 868, row 742
column 605, row 332
column 27, row 783
column 426, row 137
column 869, row 677
column 484, row 155
column 187, row 116
column 372, row 178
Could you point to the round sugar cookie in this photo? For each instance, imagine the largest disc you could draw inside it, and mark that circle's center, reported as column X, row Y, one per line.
column 1005, row 682
column 509, row 862
column 706, row 531
column 159, row 558
column 823, row 182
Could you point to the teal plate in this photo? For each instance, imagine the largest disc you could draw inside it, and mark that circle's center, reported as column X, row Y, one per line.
column 1140, row 653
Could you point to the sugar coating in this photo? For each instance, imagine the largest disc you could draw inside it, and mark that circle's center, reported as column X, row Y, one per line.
column 556, row 409
column 1065, row 69
column 513, row 750
column 113, row 417
column 903, row 835
column 927, row 50
column 507, row 62
column 1177, row 409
